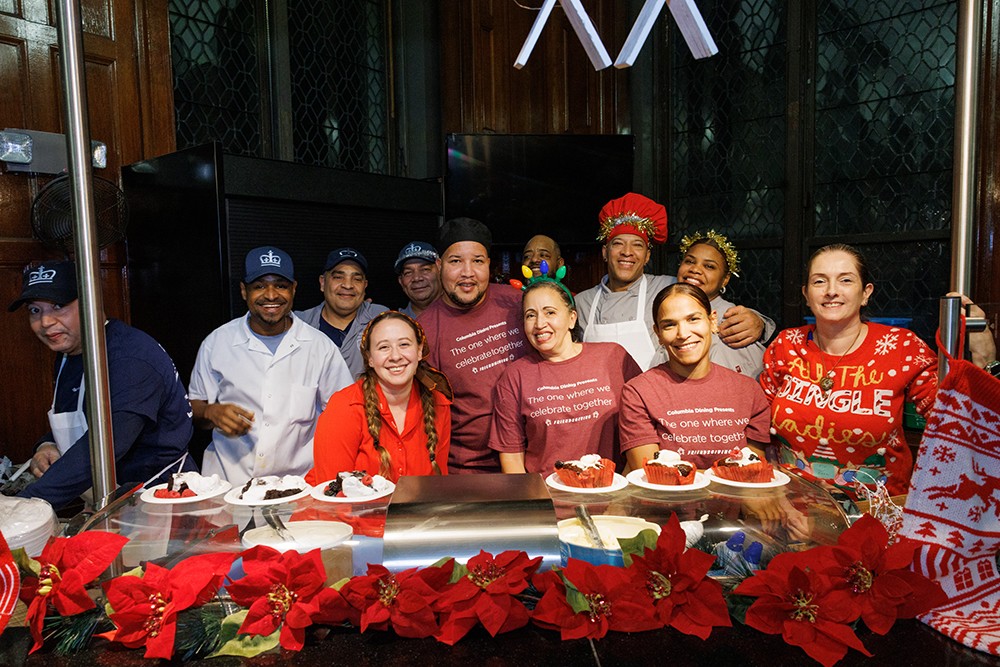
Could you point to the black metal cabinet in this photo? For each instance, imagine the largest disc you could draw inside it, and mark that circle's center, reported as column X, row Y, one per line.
column 195, row 214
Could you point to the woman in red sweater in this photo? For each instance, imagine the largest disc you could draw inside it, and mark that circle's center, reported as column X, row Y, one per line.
column 386, row 423
column 837, row 388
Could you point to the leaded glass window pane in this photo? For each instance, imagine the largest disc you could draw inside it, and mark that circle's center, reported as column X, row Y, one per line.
column 216, row 90
column 728, row 140
column 238, row 83
column 339, row 84
column 877, row 117
column 885, row 114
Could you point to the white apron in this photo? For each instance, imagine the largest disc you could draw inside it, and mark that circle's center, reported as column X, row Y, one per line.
column 633, row 335
column 67, row 427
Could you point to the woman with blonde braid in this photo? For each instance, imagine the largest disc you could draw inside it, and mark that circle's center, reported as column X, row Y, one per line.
column 385, row 423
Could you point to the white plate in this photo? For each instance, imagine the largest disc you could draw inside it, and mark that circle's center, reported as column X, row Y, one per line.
column 638, row 477
column 308, row 535
column 233, row 498
column 318, row 494
column 182, row 510
column 617, row 484
column 780, row 479
column 148, row 497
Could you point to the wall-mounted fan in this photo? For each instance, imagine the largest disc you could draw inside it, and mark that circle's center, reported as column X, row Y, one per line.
column 52, row 214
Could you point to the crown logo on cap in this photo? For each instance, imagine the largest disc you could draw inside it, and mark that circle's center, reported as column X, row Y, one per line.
column 347, row 252
column 413, row 247
column 270, row 259
column 41, row 275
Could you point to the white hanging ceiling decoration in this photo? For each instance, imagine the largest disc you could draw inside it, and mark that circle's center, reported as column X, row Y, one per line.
column 685, row 13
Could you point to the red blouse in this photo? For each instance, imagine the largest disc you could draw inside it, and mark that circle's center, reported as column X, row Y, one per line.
column 342, row 441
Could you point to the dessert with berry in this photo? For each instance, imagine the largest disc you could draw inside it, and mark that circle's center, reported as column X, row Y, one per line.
column 588, row 472
column 743, row 465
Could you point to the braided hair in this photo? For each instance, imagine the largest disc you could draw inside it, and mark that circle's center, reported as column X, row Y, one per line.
column 371, row 404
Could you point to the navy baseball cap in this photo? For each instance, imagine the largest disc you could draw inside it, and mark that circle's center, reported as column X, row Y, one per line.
column 55, row 282
column 416, row 250
column 344, row 255
column 268, row 260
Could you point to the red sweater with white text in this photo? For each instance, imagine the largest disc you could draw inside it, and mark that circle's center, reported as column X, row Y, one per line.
column 854, row 431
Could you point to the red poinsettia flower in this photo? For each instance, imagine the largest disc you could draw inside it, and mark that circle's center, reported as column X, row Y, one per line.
column 803, row 607
column 144, row 609
column 677, row 580
column 10, row 584
column 403, row 601
column 584, row 600
column 485, row 594
column 280, row 590
column 66, row 566
column 877, row 575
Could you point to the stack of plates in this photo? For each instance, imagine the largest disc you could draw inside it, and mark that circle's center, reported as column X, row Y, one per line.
column 28, row 523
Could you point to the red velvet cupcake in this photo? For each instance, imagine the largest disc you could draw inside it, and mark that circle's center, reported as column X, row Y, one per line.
column 666, row 468
column 589, row 472
column 742, row 465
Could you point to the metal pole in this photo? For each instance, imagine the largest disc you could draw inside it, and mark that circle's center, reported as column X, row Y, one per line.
column 95, row 365
column 949, row 315
column 966, row 130
column 951, row 309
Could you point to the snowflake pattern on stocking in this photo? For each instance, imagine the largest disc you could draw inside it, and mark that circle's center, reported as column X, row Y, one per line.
column 944, row 454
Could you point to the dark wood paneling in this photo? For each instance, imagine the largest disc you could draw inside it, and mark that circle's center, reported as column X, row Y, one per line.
column 557, row 92
column 155, row 74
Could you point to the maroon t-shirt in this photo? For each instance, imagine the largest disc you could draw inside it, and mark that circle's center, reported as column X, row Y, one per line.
column 473, row 347
column 561, row 410
column 701, row 419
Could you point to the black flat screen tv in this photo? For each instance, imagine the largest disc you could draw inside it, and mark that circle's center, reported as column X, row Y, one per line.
column 526, row 184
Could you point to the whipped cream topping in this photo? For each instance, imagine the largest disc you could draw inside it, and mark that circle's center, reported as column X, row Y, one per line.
column 199, row 484
column 666, row 457
column 587, row 461
column 353, row 487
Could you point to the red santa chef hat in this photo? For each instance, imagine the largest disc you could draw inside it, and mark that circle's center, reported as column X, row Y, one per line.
column 633, row 214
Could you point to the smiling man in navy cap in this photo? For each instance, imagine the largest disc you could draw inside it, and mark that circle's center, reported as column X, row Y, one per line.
column 344, row 313
column 260, row 381
column 150, row 413
column 419, row 269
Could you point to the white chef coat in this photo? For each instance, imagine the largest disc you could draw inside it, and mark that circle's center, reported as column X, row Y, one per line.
column 286, row 391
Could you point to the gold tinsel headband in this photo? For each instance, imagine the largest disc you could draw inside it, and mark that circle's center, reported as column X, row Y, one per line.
column 722, row 244
column 644, row 225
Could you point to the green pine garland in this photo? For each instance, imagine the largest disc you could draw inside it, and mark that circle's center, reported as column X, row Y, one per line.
column 71, row 634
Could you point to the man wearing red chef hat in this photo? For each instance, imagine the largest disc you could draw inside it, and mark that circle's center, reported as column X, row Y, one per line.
column 619, row 308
